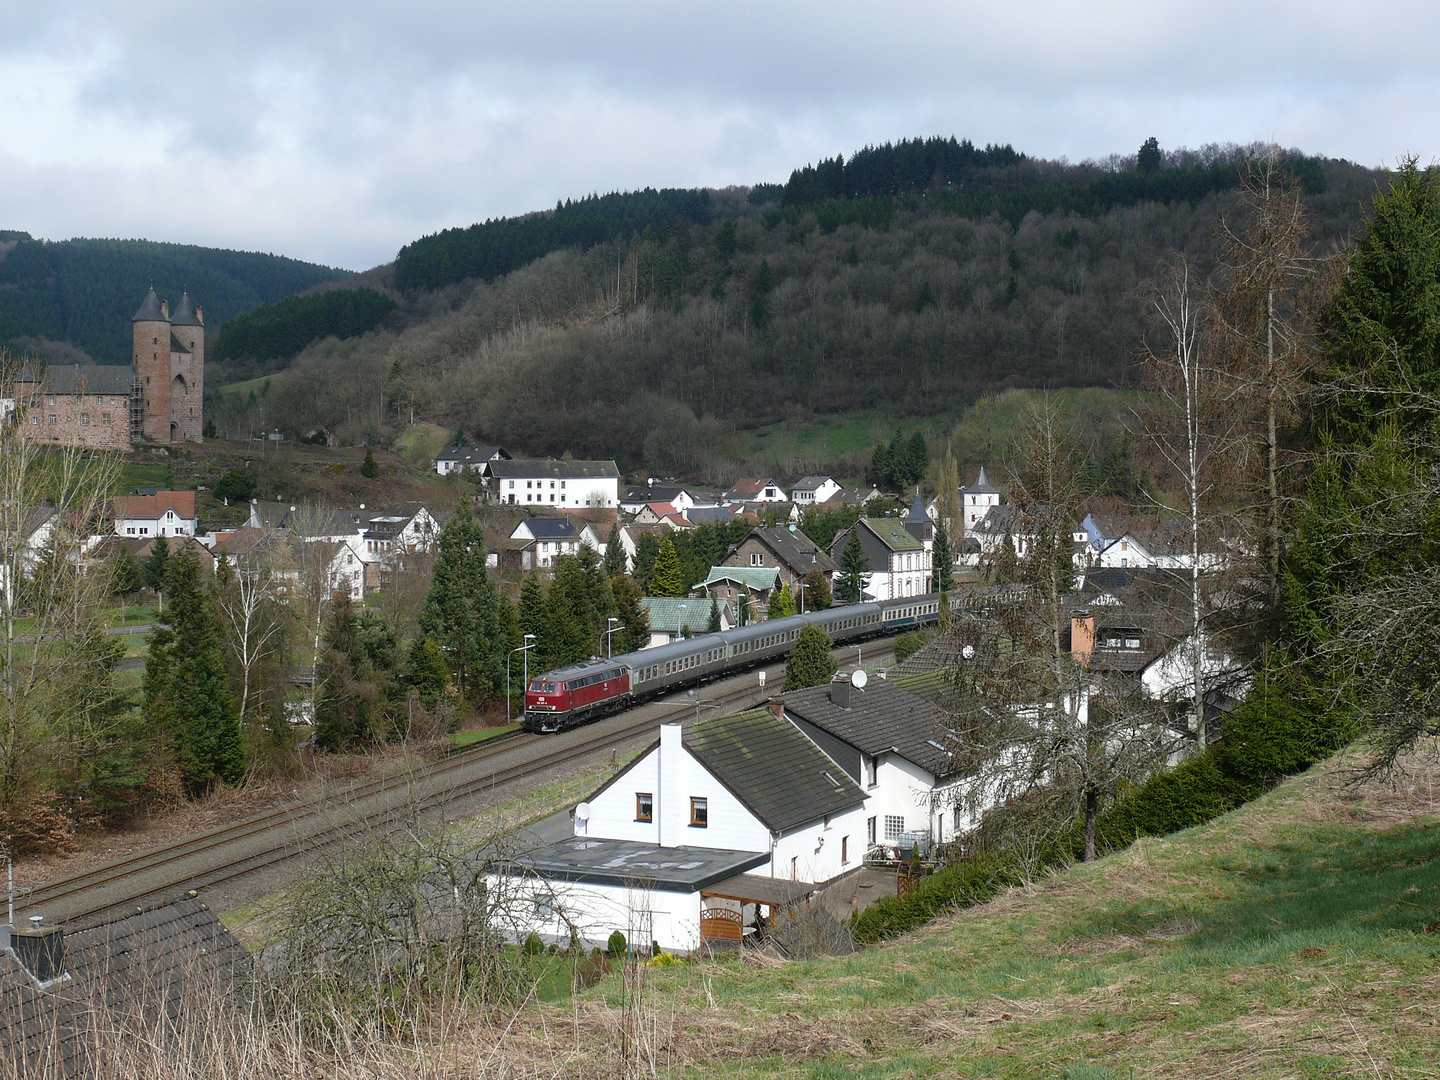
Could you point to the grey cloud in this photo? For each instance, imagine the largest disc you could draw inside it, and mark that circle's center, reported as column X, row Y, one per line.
column 338, row 131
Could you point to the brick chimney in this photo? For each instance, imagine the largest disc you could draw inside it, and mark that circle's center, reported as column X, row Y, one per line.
column 1082, row 636
column 777, row 706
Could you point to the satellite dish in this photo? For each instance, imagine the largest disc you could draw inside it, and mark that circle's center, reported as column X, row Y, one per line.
column 858, row 678
column 968, row 652
column 582, row 812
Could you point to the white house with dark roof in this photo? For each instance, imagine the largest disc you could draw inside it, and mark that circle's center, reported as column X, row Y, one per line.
column 810, row 491
column 680, row 498
column 468, row 459
column 708, row 836
column 900, row 750
column 540, row 541
column 899, row 563
column 976, row 501
column 561, row 484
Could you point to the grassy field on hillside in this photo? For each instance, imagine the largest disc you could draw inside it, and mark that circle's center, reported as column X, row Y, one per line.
column 1296, row 937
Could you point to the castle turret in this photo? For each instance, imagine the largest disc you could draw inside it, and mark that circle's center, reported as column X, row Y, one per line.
column 187, row 371
column 151, row 358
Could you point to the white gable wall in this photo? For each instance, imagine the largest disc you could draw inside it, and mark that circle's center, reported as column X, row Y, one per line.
column 813, row 851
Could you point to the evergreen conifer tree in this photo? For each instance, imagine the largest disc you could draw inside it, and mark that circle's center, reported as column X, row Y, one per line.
column 156, row 565
column 126, row 574
column 614, row 553
column 818, row 596
column 426, row 671
column 854, row 570
column 782, row 603
column 187, row 695
column 713, row 626
column 665, row 578
column 369, row 468
column 461, row 611
column 647, row 550
column 810, row 662
column 942, row 561
column 634, row 620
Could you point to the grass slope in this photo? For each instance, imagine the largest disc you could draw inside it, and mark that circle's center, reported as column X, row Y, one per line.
column 1286, row 939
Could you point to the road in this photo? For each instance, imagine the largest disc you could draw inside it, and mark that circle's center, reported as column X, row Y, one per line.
column 263, row 853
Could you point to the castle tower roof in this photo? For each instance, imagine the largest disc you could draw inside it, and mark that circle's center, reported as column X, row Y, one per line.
column 185, row 314
column 150, row 309
column 982, row 486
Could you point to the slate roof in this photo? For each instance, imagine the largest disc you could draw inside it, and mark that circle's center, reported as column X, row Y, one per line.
column 772, row 767
column 149, row 309
column 90, row 379
column 657, row 494
column 809, row 483
column 530, row 468
column 982, row 485
column 892, row 533
column 917, row 511
column 705, row 515
column 794, row 549
column 178, row 346
column 185, row 313
column 473, row 454
column 882, row 717
column 548, row 528
column 146, row 962
column 668, row 615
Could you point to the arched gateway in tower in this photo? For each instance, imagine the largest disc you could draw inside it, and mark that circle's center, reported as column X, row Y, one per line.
column 169, row 360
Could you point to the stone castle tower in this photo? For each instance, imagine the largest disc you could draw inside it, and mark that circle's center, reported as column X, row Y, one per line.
column 169, row 359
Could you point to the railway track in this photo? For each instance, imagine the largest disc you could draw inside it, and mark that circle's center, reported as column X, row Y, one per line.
column 201, row 861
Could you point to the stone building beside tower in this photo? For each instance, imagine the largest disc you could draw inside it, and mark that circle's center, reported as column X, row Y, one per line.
column 159, row 399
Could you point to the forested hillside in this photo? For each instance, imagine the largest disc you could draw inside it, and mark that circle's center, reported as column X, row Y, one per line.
column 661, row 326
column 85, row 291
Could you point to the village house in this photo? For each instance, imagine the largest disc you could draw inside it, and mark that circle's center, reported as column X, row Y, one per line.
column 708, row 836
column 811, row 491
column 899, row 749
column 899, row 563
column 737, row 585
column 59, row 987
column 787, row 549
column 529, row 482
column 676, row 618
column 537, row 542
column 165, row 513
column 754, row 489
column 468, row 459
column 682, row 499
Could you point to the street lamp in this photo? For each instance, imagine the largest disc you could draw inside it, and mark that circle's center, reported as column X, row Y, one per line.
column 610, row 630
column 522, row 649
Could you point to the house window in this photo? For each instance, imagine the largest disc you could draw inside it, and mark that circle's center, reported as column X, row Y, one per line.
column 699, row 813
column 794, row 867
column 870, row 829
column 757, row 559
column 894, row 826
column 105, row 418
column 84, row 419
column 52, row 417
column 844, row 850
column 512, row 483
column 644, row 806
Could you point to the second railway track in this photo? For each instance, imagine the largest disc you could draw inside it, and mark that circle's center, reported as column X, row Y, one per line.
column 307, row 825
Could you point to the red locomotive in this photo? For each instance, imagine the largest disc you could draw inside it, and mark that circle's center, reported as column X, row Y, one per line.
column 571, row 695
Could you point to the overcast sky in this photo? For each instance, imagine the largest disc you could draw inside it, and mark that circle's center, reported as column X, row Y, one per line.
column 337, row 131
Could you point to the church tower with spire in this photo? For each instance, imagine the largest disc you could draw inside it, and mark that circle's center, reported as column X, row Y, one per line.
column 169, row 360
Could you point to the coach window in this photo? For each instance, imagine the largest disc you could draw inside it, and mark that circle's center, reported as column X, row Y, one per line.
column 699, row 813
column 644, row 806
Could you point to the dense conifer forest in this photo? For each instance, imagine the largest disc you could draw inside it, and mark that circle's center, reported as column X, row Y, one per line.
column 84, row 291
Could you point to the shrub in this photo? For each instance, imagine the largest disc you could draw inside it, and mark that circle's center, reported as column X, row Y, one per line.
column 616, row 945
column 1276, row 732
column 1192, row 793
column 533, row 946
column 909, row 643
column 973, row 881
column 236, row 486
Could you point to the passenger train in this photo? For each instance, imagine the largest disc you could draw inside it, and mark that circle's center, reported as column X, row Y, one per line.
column 574, row 695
